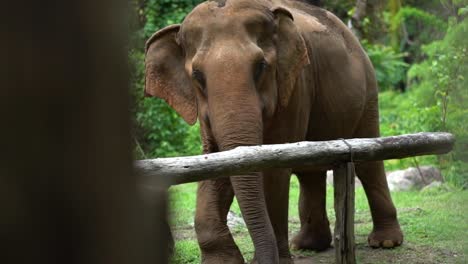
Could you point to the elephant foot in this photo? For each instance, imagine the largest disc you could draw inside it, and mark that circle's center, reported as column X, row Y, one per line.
column 385, row 237
column 316, row 240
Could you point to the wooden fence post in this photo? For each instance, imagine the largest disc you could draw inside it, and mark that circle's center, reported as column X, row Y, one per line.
column 343, row 181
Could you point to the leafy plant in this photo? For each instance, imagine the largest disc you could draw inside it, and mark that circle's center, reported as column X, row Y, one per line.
column 390, row 67
column 437, row 100
column 415, row 27
column 158, row 130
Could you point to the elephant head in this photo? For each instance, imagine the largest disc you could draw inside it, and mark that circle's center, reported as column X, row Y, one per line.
column 233, row 65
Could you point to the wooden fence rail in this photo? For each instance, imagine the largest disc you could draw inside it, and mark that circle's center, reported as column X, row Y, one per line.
column 339, row 155
column 301, row 154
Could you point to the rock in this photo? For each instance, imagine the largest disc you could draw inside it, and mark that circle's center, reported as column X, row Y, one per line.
column 233, row 220
column 404, row 180
column 357, row 183
column 412, row 178
column 432, row 186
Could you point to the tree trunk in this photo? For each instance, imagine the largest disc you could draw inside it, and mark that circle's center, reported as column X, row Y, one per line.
column 370, row 9
column 395, row 36
column 360, row 12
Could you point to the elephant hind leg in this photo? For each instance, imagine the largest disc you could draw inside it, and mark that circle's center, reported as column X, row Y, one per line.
column 386, row 232
column 214, row 198
column 315, row 228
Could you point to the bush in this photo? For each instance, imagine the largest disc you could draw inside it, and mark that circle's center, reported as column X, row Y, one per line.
column 420, row 27
column 158, row 130
column 390, row 67
column 437, row 98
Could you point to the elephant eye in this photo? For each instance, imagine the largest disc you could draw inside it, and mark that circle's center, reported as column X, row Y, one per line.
column 259, row 69
column 198, row 76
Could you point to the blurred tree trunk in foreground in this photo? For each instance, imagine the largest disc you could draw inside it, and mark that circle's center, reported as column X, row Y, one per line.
column 67, row 190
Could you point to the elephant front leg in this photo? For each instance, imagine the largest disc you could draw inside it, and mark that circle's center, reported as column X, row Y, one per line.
column 386, row 232
column 214, row 198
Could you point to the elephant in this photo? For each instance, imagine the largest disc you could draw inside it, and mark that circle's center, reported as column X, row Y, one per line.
column 258, row 72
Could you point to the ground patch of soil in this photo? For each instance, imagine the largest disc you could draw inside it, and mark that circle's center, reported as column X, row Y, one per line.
column 407, row 253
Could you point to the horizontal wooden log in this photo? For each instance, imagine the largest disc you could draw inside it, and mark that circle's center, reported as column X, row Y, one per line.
column 292, row 155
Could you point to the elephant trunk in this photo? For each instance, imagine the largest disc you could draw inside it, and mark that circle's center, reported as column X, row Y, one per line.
column 242, row 127
column 249, row 193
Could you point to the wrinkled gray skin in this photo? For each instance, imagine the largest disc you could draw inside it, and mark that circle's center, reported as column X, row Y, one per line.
column 257, row 72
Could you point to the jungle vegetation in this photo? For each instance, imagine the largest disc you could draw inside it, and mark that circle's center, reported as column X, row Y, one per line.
column 419, row 51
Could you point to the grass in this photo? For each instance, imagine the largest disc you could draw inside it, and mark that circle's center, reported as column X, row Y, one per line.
column 435, row 224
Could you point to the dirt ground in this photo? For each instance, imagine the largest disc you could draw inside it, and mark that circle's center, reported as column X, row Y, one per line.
column 435, row 233
column 407, row 253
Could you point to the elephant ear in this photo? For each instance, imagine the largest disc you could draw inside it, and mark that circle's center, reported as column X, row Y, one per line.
column 291, row 54
column 166, row 77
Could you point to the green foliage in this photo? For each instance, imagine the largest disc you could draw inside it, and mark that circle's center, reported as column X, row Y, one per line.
column 437, row 99
column 186, row 252
column 444, row 74
column 158, row 130
column 390, row 67
column 404, row 113
column 417, row 27
column 341, row 8
column 412, row 15
column 160, row 13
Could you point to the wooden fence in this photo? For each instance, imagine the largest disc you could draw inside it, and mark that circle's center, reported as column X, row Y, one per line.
column 339, row 155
